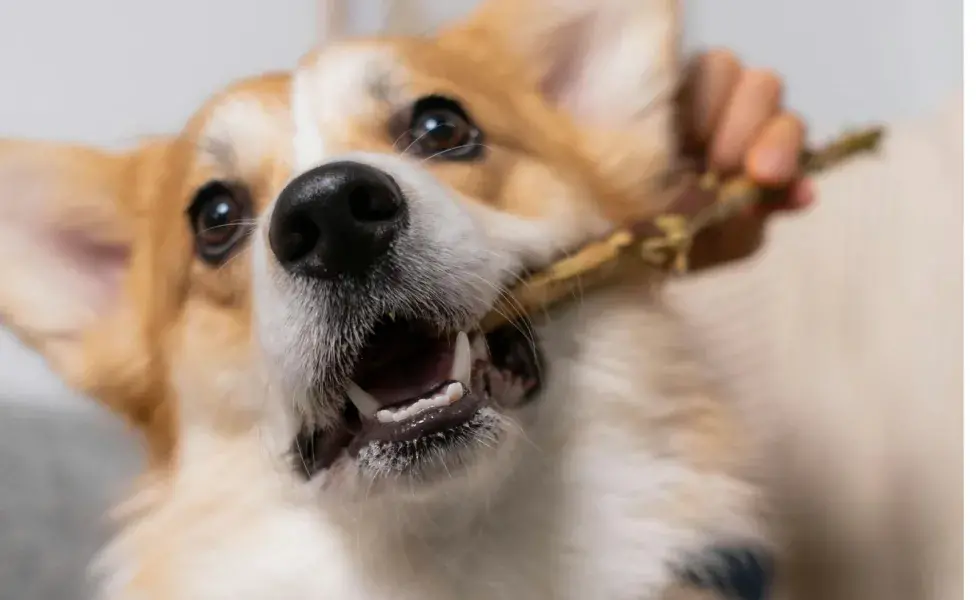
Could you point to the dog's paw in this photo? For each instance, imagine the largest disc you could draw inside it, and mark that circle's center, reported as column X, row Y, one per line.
column 733, row 572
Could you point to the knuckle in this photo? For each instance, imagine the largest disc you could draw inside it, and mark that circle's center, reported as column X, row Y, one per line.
column 725, row 59
column 765, row 81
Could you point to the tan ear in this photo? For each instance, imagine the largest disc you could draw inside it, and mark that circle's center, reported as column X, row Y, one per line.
column 68, row 218
column 64, row 241
column 612, row 65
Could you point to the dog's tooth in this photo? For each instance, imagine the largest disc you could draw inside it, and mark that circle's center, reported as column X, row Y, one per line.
column 461, row 370
column 417, row 407
column 364, row 401
column 454, row 392
column 479, row 348
column 451, row 393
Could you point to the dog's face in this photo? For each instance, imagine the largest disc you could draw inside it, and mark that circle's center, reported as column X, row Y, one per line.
column 312, row 254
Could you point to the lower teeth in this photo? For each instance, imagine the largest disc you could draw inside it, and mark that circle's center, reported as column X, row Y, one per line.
column 446, row 396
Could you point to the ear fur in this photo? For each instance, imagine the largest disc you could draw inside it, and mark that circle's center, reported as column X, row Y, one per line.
column 63, row 241
column 613, row 66
column 68, row 218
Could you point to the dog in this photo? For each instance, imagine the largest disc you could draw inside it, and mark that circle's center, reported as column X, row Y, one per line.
column 284, row 299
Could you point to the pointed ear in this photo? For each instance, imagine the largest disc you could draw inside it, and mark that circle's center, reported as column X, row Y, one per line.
column 65, row 242
column 613, row 65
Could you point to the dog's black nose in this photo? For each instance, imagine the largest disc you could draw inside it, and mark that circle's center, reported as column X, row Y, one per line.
column 335, row 220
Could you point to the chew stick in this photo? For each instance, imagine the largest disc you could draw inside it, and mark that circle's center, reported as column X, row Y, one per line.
column 664, row 241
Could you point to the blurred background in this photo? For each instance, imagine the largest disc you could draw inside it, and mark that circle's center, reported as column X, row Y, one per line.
column 108, row 71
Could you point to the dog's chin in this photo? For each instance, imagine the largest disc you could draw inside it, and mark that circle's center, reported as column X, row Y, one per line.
column 425, row 406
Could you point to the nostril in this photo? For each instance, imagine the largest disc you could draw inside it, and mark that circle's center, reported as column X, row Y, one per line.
column 297, row 237
column 336, row 220
column 373, row 203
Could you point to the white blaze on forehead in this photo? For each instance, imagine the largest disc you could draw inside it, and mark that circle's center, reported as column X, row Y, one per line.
column 339, row 85
column 242, row 132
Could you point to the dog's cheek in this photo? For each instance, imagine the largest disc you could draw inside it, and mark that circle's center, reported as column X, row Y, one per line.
column 211, row 363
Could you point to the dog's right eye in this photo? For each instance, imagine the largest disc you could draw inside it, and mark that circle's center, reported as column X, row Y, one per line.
column 220, row 216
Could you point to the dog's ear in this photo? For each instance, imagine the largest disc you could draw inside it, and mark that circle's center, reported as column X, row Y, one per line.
column 612, row 65
column 68, row 218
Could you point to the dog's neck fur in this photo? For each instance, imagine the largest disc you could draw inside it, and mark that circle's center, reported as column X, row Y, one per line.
column 621, row 474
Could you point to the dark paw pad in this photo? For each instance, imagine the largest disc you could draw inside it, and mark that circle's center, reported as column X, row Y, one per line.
column 736, row 572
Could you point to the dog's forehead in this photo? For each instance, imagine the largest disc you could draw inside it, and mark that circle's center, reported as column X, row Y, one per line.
column 301, row 117
column 336, row 91
column 245, row 129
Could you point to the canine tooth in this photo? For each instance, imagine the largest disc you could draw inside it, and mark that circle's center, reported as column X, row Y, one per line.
column 385, row 416
column 461, row 370
column 364, row 401
column 454, row 392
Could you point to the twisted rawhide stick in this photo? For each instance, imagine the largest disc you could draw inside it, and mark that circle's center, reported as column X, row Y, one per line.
column 664, row 242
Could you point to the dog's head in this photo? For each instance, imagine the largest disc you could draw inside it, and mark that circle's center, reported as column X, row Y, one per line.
column 312, row 254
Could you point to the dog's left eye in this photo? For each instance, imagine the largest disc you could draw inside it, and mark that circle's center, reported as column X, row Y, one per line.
column 439, row 128
column 220, row 218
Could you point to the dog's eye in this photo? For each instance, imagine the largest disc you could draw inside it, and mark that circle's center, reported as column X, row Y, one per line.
column 220, row 216
column 439, row 128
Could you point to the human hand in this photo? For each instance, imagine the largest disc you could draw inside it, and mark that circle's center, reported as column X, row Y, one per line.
column 733, row 123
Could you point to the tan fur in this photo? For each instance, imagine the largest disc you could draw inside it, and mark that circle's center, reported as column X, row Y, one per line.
column 118, row 353
column 173, row 347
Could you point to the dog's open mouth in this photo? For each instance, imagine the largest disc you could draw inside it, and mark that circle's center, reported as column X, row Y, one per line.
column 412, row 382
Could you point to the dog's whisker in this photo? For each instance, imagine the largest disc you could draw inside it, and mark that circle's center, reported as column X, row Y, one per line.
column 232, row 258
column 396, row 142
column 411, row 144
column 455, row 148
column 505, row 297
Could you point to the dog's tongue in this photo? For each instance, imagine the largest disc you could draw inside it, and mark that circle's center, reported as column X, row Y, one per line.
column 397, row 368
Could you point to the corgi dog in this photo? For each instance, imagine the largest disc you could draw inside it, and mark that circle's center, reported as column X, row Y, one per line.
column 284, row 298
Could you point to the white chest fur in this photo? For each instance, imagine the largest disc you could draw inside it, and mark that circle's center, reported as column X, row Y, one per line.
column 627, row 470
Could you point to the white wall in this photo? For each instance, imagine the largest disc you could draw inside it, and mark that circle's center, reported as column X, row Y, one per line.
column 845, row 61
column 104, row 71
column 107, row 71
